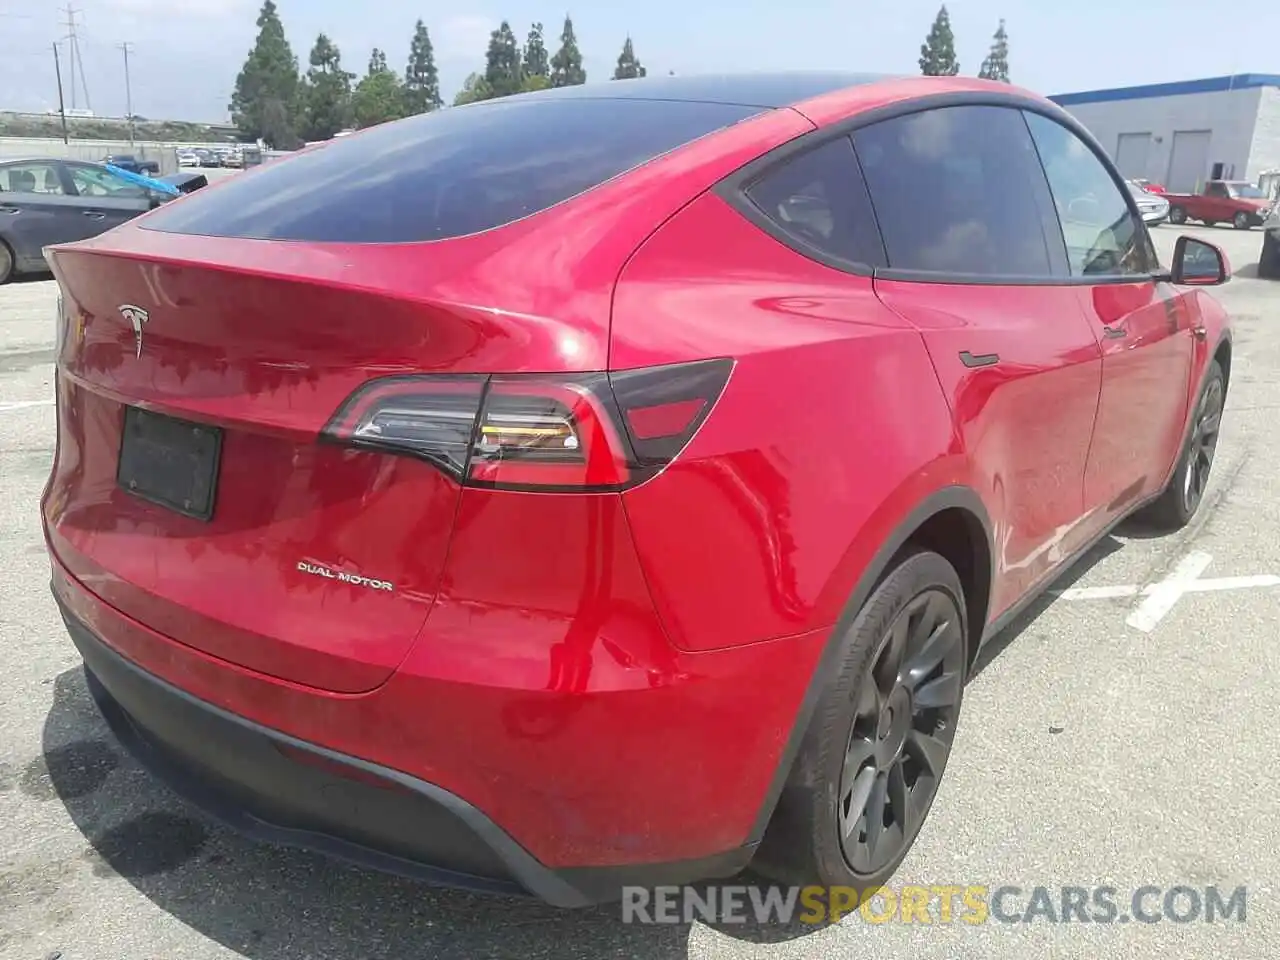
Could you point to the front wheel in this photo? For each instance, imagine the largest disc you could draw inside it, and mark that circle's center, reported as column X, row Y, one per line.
column 1177, row 215
column 7, row 266
column 1240, row 221
column 1181, row 499
column 873, row 756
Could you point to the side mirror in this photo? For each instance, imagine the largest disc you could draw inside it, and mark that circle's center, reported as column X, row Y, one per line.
column 1198, row 263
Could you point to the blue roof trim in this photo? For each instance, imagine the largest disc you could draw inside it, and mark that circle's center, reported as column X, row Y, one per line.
column 1240, row 81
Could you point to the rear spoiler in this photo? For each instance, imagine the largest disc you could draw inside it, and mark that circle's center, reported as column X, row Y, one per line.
column 172, row 185
column 185, row 182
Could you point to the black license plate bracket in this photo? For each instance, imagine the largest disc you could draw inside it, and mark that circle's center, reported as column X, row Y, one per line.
column 170, row 462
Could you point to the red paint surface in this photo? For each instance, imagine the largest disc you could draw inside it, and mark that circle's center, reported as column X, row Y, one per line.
column 557, row 659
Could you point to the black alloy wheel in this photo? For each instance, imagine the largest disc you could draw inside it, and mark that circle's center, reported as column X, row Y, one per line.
column 872, row 753
column 904, row 725
column 1204, row 444
column 1182, row 496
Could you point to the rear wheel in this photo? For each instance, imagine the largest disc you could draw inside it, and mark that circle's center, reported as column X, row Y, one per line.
column 7, row 270
column 1177, row 215
column 1269, row 261
column 876, row 748
column 1185, row 492
column 1240, row 221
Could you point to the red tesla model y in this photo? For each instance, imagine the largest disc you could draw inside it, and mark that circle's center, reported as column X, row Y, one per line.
column 612, row 484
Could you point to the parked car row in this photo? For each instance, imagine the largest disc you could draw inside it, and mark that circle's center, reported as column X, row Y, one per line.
column 212, row 157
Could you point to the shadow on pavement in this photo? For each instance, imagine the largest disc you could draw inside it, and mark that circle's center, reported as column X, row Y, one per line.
column 1005, row 638
column 273, row 903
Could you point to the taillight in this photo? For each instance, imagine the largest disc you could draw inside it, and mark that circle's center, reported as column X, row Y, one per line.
column 592, row 431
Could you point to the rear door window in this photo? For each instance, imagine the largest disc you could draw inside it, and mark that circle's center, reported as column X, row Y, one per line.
column 817, row 203
column 91, row 181
column 958, row 192
column 449, row 173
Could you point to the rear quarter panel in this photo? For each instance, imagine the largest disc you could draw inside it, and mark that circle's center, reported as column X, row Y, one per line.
column 831, row 429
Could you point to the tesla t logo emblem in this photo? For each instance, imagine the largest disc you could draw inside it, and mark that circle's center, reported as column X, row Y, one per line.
column 136, row 317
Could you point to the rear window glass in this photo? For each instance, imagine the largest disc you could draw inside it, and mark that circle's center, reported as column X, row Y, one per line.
column 446, row 174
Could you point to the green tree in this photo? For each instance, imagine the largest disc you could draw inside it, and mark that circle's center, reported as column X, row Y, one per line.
column 421, row 79
column 378, row 97
column 504, row 71
column 537, row 63
column 566, row 65
column 996, row 66
column 328, row 92
column 629, row 67
column 267, row 87
column 535, row 81
column 474, row 89
column 938, row 52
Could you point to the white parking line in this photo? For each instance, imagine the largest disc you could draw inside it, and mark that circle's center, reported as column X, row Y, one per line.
column 1159, row 598
column 1195, row 586
column 24, row 405
column 1164, row 595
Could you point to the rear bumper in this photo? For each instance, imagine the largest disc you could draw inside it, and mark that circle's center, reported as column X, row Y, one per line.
column 278, row 788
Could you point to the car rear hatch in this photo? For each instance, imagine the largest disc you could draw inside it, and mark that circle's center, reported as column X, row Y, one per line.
column 209, row 349
column 192, row 492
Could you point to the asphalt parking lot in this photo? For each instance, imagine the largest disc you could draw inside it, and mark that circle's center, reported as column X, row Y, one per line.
column 1124, row 734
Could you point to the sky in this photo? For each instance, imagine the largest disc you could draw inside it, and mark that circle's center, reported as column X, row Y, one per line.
column 186, row 53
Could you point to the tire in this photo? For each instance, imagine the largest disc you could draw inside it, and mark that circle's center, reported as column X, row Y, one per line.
column 8, row 266
column 1180, row 500
column 1241, row 221
column 1269, row 259
column 890, row 709
column 1177, row 215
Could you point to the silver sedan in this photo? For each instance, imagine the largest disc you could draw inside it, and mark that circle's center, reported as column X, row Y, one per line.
column 1153, row 208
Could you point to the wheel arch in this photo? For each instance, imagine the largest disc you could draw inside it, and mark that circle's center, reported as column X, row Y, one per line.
column 952, row 522
column 8, row 247
column 1222, row 354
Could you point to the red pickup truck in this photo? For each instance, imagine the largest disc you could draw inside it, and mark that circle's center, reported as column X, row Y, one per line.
column 1235, row 202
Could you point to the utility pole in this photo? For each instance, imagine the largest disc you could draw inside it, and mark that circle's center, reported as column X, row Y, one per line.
column 128, row 90
column 62, row 108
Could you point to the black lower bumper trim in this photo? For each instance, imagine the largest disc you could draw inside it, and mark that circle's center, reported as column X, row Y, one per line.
column 277, row 788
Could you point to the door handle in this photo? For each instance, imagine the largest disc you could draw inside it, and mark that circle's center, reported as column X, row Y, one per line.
column 979, row 359
column 1114, row 333
column 94, row 215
